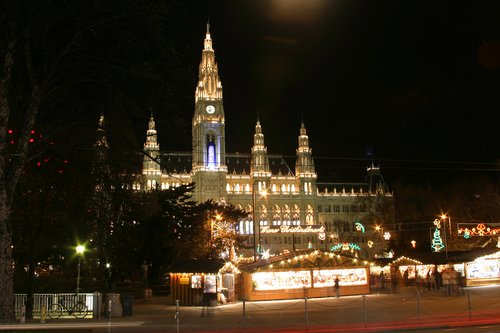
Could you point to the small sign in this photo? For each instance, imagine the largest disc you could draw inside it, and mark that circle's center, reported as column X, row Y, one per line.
column 184, row 280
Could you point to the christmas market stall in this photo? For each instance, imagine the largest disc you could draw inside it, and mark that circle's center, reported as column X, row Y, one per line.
column 202, row 282
column 400, row 273
column 311, row 274
column 480, row 267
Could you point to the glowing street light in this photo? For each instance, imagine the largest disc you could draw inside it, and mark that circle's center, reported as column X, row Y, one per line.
column 80, row 249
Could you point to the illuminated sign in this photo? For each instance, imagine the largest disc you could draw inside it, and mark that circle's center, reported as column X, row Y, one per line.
column 292, row 229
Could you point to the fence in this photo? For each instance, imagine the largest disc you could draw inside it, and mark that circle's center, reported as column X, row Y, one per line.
column 405, row 310
column 92, row 300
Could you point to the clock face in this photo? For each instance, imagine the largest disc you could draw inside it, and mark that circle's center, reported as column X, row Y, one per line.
column 210, row 109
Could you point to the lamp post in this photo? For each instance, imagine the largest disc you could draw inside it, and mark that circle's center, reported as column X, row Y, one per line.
column 80, row 249
column 443, row 218
column 254, row 206
column 256, row 224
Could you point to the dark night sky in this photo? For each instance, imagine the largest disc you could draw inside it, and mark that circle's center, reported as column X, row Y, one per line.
column 415, row 81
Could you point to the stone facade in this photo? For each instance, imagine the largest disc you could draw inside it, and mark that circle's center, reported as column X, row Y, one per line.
column 294, row 210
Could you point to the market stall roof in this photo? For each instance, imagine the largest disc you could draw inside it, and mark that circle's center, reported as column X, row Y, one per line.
column 303, row 259
column 197, row 266
column 467, row 256
column 435, row 258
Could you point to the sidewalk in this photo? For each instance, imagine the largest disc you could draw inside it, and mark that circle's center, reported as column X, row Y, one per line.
column 346, row 314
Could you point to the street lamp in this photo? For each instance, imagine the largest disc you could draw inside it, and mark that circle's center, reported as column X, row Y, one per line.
column 80, row 249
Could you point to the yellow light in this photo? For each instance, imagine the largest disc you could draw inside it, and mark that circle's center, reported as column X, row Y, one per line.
column 80, row 249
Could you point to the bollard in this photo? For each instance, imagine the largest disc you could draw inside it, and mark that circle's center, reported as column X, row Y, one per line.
column 43, row 313
column 244, row 312
column 469, row 307
column 110, row 303
column 23, row 314
column 177, row 315
column 364, row 309
column 418, row 306
column 305, row 309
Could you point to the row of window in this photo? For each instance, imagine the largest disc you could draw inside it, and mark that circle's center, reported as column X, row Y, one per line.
column 344, row 209
column 284, row 188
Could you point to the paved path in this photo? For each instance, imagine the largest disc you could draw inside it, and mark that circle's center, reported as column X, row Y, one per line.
column 372, row 313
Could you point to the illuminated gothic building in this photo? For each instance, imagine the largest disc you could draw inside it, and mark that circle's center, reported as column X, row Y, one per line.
column 297, row 212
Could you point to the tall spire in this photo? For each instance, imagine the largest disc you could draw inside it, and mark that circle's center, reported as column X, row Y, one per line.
column 209, row 86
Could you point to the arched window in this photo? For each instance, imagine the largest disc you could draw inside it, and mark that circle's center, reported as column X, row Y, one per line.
column 211, row 152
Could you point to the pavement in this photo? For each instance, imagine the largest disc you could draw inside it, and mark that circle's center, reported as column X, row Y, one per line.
column 370, row 313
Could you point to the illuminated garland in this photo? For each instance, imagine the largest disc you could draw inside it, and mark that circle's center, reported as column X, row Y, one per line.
column 308, row 259
column 345, row 247
column 406, row 259
column 479, row 230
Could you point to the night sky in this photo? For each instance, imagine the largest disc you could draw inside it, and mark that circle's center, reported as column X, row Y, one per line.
column 416, row 84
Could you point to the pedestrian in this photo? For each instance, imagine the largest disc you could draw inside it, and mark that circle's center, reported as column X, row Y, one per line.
column 336, row 286
column 382, row 282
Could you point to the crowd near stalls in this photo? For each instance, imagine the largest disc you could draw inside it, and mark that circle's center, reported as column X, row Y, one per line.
column 448, row 272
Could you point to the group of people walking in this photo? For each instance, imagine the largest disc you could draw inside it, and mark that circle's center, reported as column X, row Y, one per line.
column 449, row 280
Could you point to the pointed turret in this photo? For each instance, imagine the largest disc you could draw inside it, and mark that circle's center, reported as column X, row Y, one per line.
column 151, row 164
column 304, row 167
column 376, row 183
column 260, row 161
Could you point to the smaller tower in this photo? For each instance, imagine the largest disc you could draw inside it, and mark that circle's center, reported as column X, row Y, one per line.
column 376, row 183
column 304, row 167
column 260, row 161
column 151, row 164
column 260, row 179
column 306, row 178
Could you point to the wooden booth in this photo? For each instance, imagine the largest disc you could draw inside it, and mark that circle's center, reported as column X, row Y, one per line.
column 202, row 282
column 306, row 275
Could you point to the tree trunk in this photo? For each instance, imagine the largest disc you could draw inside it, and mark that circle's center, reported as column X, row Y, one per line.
column 6, row 266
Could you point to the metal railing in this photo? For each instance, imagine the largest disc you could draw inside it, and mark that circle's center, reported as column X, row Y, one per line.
column 92, row 301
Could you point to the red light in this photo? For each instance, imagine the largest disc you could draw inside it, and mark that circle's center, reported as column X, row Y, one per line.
column 10, row 131
column 38, row 164
column 32, row 132
column 32, row 140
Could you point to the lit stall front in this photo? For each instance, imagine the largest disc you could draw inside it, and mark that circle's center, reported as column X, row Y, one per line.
column 203, row 282
column 311, row 275
column 484, row 270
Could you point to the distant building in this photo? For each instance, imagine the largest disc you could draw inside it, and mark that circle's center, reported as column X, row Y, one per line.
column 298, row 212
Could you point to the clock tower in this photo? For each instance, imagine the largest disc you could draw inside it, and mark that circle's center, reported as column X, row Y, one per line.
column 209, row 168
